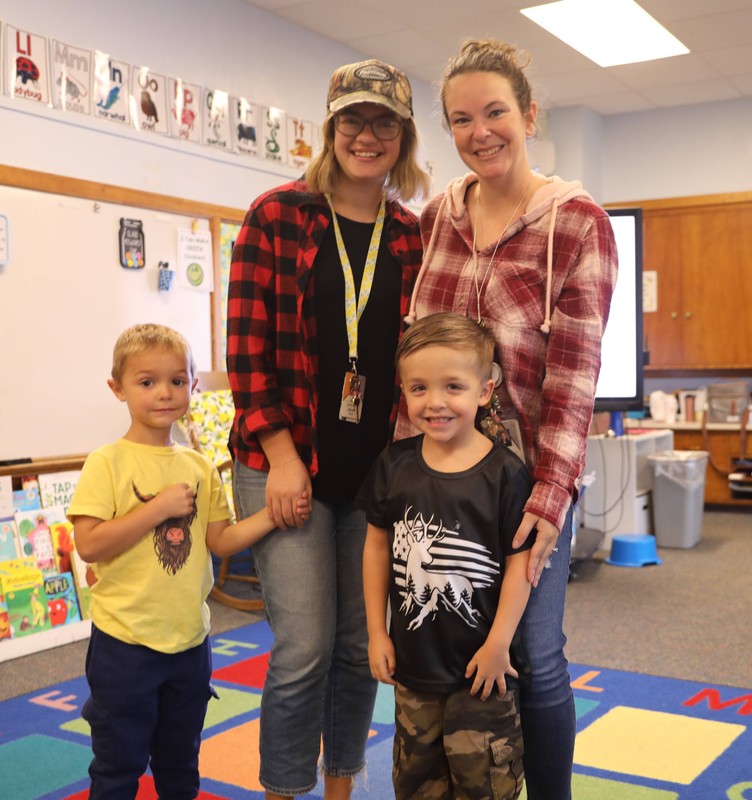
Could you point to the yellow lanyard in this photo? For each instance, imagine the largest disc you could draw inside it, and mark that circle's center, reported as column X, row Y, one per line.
column 354, row 308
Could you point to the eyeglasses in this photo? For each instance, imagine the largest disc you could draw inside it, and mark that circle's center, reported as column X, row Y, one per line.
column 386, row 128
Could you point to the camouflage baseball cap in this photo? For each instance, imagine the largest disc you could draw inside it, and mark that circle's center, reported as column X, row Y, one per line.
column 370, row 81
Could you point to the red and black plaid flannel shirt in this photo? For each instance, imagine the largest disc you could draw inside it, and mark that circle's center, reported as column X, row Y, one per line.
column 271, row 326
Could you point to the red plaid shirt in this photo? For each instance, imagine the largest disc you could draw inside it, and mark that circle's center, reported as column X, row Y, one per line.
column 271, row 325
column 550, row 377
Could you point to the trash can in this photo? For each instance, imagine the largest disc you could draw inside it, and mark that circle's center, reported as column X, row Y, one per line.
column 678, row 496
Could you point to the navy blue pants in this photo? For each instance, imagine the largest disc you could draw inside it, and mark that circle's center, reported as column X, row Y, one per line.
column 146, row 709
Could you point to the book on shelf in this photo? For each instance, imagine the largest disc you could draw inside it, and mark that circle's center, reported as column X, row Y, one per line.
column 82, row 585
column 6, row 496
column 62, row 603
column 9, row 544
column 25, row 600
column 35, row 536
column 56, row 488
column 62, row 543
column 26, row 499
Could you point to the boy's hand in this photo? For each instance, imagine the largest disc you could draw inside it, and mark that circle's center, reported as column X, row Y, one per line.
column 490, row 665
column 175, row 501
column 304, row 506
column 381, row 657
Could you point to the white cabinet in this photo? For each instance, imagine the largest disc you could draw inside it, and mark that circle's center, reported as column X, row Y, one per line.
column 619, row 499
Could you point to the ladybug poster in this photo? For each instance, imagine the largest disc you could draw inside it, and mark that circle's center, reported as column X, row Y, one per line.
column 26, row 67
column 110, row 88
column 149, row 100
column 71, row 77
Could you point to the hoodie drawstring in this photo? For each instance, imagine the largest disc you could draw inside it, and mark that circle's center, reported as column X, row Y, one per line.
column 546, row 326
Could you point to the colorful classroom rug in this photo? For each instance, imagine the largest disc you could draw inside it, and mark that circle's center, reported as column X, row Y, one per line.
column 640, row 737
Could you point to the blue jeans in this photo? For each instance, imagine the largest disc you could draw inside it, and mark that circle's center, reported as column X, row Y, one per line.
column 547, row 704
column 319, row 683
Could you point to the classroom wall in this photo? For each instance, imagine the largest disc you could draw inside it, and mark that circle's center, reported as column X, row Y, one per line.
column 225, row 44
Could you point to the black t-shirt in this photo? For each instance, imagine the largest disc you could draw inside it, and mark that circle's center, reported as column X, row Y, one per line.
column 449, row 534
column 347, row 450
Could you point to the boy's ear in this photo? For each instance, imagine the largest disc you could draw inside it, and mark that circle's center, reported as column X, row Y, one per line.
column 116, row 389
column 194, row 385
column 486, row 390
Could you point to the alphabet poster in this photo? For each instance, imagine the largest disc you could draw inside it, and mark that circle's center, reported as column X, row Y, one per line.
column 300, row 142
column 26, row 65
column 275, row 134
column 216, row 118
column 110, row 88
column 149, row 100
column 185, row 110
column 71, row 77
column 245, row 125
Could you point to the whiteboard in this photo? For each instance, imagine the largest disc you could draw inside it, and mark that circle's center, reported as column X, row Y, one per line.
column 64, row 300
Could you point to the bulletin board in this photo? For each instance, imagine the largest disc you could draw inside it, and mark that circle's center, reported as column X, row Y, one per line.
column 65, row 298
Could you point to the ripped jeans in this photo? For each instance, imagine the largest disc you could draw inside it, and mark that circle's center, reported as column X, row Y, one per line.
column 319, row 683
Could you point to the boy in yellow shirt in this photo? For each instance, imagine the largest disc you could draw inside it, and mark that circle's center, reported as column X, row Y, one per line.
column 146, row 512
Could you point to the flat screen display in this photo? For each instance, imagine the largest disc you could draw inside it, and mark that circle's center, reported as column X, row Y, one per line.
column 620, row 382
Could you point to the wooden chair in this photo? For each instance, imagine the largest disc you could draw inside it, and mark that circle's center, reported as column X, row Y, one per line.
column 206, row 426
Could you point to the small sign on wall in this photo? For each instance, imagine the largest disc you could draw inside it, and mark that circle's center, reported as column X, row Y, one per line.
column 195, row 260
column 132, row 244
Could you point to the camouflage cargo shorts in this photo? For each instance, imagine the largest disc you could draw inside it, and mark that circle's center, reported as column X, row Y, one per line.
column 457, row 746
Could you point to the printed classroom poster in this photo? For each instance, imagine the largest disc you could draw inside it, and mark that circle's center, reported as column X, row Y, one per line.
column 275, row 134
column 216, row 116
column 149, row 100
column 71, row 77
column 110, row 89
column 26, row 65
column 245, row 124
column 195, row 260
column 300, row 142
column 185, row 110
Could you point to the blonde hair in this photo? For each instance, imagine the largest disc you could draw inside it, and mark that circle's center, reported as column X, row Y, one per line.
column 143, row 338
column 405, row 181
column 490, row 55
column 448, row 329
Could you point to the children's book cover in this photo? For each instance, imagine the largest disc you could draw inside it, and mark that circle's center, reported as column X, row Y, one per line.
column 35, row 536
column 110, row 93
column 56, row 488
column 185, row 110
column 274, row 124
column 4, row 618
column 71, row 77
column 216, row 119
column 149, row 105
column 62, row 543
column 26, row 67
column 300, row 142
column 6, row 496
column 82, row 585
column 62, row 605
column 9, row 545
column 244, row 122
column 26, row 602
column 26, row 499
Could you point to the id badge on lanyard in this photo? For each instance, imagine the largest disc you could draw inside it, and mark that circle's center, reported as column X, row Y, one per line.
column 354, row 384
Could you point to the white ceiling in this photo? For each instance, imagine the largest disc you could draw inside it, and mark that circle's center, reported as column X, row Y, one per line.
column 418, row 36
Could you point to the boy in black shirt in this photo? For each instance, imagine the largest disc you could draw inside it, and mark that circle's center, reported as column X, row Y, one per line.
column 443, row 508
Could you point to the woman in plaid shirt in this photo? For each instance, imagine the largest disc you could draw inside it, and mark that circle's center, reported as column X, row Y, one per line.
column 321, row 278
column 533, row 259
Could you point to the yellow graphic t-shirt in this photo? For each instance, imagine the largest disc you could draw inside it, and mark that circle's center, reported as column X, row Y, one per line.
column 155, row 593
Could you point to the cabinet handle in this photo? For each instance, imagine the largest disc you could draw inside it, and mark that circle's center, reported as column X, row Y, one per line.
column 687, row 315
column 674, row 315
